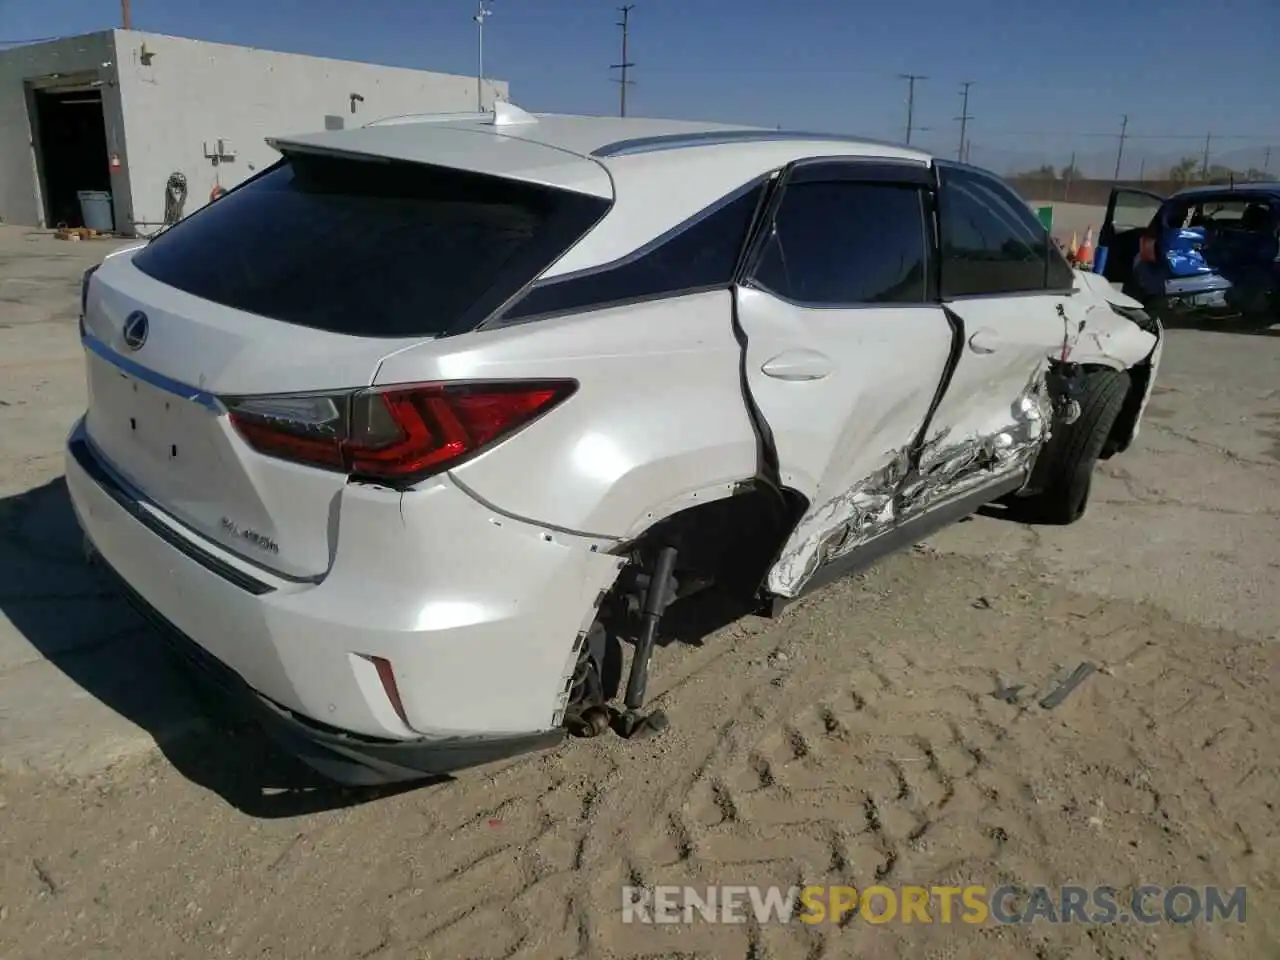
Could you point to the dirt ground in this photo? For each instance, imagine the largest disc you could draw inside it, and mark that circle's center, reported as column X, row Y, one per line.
column 854, row 740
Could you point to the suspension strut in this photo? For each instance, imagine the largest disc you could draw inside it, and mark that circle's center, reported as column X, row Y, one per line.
column 658, row 594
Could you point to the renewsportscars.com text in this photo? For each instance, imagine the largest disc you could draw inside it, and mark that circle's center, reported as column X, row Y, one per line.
column 1146, row 904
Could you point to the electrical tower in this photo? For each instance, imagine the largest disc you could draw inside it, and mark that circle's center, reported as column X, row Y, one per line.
column 625, row 65
column 964, row 118
column 911, row 79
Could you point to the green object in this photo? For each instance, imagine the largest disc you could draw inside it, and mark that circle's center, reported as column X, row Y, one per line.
column 1046, row 217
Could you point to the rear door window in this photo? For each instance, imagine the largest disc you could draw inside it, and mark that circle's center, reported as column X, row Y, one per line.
column 847, row 243
column 369, row 248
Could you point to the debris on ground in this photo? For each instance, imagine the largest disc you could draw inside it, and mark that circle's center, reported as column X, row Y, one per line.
column 1065, row 689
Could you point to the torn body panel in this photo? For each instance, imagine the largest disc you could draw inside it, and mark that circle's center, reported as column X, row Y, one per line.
column 1115, row 332
column 951, row 467
column 945, row 469
column 843, row 523
column 1106, row 333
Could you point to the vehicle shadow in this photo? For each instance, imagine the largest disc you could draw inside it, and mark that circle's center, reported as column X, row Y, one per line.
column 67, row 612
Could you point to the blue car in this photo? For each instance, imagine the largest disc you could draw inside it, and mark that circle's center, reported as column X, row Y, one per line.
column 1205, row 253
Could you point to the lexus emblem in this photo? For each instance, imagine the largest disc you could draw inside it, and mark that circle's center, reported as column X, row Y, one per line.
column 135, row 330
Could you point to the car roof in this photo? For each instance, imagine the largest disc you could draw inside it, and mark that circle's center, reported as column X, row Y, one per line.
column 1225, row 188
column 573, row 152
column 657, row 173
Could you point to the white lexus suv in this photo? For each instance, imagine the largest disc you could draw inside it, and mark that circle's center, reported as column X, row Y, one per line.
column 406, row 439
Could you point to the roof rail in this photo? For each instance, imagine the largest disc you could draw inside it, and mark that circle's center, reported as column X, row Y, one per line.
column 707, row 138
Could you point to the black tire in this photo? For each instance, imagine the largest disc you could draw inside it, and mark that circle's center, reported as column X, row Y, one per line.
column 1064, row 470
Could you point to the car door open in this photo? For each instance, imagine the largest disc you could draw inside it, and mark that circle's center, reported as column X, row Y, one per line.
column 1130, row 212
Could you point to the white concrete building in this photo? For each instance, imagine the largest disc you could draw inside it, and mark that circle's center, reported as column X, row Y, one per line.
column 123, row 111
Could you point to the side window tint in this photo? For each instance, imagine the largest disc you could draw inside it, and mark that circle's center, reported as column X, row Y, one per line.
column 847, row 242
column 1059, row 275
column 991, row 241
column 702, row 253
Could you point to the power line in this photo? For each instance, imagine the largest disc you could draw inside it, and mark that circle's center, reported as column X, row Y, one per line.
column 625, row 65
column 1128, row 136
column 911, row 79
column 964, row 117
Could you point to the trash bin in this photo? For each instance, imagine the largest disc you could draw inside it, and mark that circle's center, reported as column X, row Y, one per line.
column 95, row 209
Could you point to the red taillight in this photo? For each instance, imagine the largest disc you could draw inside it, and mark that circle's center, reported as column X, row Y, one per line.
column 396, row 435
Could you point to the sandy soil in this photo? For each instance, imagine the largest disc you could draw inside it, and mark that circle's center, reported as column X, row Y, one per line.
column 856, row 737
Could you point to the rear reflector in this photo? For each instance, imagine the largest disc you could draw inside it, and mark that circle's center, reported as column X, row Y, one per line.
column 396, row 435
column 387, row 676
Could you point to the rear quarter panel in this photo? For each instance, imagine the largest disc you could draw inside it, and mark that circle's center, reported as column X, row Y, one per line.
column 658, row 422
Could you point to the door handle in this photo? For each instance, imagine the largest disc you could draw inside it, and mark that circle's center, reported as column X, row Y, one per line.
column 985, row 340
column 798, row 365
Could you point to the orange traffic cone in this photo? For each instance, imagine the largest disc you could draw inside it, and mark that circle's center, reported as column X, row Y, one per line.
column 1085, row 253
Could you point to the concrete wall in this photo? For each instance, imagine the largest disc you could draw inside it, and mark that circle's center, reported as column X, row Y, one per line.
column 84, row 59
column 166, row 98
column 192, row 93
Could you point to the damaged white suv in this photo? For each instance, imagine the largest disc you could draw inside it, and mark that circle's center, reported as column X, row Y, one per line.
column 404, row 437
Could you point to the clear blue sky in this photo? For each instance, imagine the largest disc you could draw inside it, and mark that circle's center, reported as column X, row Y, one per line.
column 1042, row 78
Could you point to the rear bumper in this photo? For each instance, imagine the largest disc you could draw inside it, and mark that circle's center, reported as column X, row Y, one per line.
column 343, row 757
column 477, row 614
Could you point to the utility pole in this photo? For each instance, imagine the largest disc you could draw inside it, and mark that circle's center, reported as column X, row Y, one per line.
column 1066, row 178
column 1204, row 165
column 1142, row 171
column 625, row 65
column 964, row 117
column 1266, row 160
column 126, row 21
column 911, row 79
column 481, row 13
column 1124, row 126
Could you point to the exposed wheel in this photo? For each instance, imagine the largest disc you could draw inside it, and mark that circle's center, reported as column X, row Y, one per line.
column 1064, row 471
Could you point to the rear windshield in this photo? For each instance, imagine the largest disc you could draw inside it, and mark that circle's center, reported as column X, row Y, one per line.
column 369, row 248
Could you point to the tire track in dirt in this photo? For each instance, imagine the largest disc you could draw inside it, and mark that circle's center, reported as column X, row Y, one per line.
column 855, row 739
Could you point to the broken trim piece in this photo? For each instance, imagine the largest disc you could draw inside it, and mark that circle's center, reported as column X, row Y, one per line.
column 911, row 531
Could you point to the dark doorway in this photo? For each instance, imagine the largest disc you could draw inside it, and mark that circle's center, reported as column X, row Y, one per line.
column 71, row 151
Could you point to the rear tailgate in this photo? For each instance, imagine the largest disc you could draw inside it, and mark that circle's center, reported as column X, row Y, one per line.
column 297, row 283
column 154, row 414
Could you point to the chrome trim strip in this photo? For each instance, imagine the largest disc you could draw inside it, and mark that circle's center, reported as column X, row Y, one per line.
column 677, row 141
column 131, row 503
column 158, row 380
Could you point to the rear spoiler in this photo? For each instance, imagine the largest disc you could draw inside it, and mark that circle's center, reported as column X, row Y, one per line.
column 459, row 148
